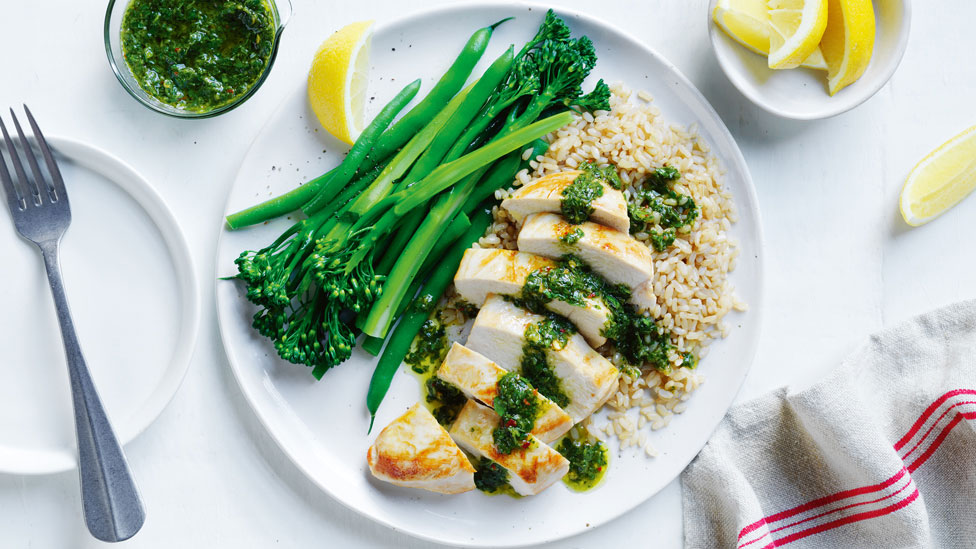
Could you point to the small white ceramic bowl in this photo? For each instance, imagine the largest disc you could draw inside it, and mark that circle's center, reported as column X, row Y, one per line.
column 801, row 93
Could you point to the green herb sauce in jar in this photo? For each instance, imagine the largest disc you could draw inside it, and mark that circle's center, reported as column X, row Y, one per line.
column 197, row 55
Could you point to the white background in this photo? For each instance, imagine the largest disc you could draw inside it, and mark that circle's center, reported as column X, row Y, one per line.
column 841, row 263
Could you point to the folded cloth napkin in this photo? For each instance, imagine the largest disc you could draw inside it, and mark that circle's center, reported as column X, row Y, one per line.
column 880, row 454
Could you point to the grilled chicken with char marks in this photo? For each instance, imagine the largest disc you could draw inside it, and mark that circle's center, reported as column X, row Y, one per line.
column 504, row 272
column 584, row 376
column 477, row 377
column 415, row 451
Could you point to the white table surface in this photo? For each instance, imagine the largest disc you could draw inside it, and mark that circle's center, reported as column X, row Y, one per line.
column 841, row 263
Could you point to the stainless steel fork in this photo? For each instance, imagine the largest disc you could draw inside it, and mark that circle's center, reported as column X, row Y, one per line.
column 39, row 207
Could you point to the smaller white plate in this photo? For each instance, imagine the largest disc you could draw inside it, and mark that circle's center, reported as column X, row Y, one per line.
column 800, row 93
column 135, row 303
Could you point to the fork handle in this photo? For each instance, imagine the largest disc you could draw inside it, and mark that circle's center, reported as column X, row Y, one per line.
column 112, row 506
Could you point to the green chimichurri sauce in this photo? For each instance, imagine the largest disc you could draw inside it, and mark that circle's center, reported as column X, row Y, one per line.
column 492, row 478
column 572, row 237
column 197, row 55
column 638, row 338
column 588, row 459
column 661, row 212
column 429, row 347
column 570, row 281
column 579, row 195
column 444, row 399
column 550, row 333
column 466, row 308
column 517, row 406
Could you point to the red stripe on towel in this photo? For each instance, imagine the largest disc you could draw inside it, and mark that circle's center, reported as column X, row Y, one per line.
column 934, row 424
column 848, row 520
column 844, row 508
column 923, row 418
column 823, row 501
column 938, row 441
column 928, row 412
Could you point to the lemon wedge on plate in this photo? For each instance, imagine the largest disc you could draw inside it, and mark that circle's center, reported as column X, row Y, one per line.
column 941, row 180
column 337, row 80
column 796, row 27
column 747, row 22
column 848, row 41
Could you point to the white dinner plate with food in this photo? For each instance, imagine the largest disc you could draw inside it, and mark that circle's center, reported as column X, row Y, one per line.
column 133, row 295
column 322, row 425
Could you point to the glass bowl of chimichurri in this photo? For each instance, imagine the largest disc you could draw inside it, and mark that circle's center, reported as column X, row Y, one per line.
column 193, row 58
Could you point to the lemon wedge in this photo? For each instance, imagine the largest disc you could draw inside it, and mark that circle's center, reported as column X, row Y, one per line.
column 337, row 80
column 747, row 22
column 848, row 41
column 941, row 180
column 796, row 27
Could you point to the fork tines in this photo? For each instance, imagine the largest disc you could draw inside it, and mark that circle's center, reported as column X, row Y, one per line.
column 27, row 191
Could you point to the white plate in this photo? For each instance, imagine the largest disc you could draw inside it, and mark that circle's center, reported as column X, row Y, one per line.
column 800, row 93
column 322, row 425
column 135, row 303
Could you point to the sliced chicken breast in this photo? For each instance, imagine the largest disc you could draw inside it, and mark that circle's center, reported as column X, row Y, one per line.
column 585, row 377
column 494, row 271
column 415, row 451
column 477, row 377
column 615, row 255
column 546, row 195
column 530, row 470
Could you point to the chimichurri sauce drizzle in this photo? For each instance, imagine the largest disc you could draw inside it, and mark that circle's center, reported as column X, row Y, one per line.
column 588, row 458
column 517, row 406
column 550, row 333
column 578, row 196
column 659, row 211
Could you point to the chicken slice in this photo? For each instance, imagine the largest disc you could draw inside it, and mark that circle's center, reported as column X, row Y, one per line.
column 530, row 470
column 546, row 195
column 415, row 451
column 585, row 377
column 477, row 377
column 495, row 271
column 614, row 255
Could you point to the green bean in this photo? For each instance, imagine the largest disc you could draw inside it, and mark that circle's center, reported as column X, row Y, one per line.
column 403, row 234
column 447, row 174
column 410, row 322
column 373, row 345
column 351, row 190
column 449, row 84
column 457, row 227
column 444, row 141
column 389, row 142
column 341, row 176
column 381, row 185
column 406, row 157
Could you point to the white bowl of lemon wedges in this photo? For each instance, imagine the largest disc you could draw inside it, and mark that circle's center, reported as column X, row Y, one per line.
column 809, row 59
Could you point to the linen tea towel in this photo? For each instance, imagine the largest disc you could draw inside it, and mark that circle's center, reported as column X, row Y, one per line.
column 880, row 454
